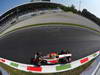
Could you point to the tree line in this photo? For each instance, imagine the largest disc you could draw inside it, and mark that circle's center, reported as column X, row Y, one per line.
column 84, row 13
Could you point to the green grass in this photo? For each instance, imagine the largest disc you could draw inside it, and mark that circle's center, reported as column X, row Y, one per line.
column 43, row 24
column 75, row 71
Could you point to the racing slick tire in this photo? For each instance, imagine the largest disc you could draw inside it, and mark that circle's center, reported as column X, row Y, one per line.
column 44, row 62
column 63, row 61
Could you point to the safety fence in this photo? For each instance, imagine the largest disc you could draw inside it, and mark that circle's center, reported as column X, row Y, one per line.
column 49, row 68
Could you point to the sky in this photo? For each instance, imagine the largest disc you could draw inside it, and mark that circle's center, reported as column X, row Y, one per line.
column 92, row 5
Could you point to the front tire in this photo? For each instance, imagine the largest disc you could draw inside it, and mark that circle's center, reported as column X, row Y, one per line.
column 63, row 61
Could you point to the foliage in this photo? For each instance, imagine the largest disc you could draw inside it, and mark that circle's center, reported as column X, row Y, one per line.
column 84, row 13
column 90, row 16
column 67, row 9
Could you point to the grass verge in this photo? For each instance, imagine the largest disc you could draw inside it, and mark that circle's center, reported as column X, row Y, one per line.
column 43, row 24
column 75, row 71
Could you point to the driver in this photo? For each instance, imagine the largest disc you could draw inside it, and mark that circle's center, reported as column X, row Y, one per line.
column 53, row 55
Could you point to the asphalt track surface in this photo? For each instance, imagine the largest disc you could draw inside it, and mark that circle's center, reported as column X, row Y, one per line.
column 21, row 45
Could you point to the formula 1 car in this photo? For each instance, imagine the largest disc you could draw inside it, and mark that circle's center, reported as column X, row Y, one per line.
column 60, row 59
column 54, row 59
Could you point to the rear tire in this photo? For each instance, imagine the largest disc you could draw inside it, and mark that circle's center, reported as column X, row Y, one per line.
column 44, row 62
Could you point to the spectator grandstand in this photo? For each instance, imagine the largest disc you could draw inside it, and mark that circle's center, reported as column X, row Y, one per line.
column 24, row 11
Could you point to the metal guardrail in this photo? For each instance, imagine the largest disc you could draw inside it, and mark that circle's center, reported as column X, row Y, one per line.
column 3, row 72
column 98, row 70
column 93, row 68
column 97, row 67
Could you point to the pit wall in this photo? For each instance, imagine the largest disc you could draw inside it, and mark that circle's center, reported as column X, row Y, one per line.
column 49, row 68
